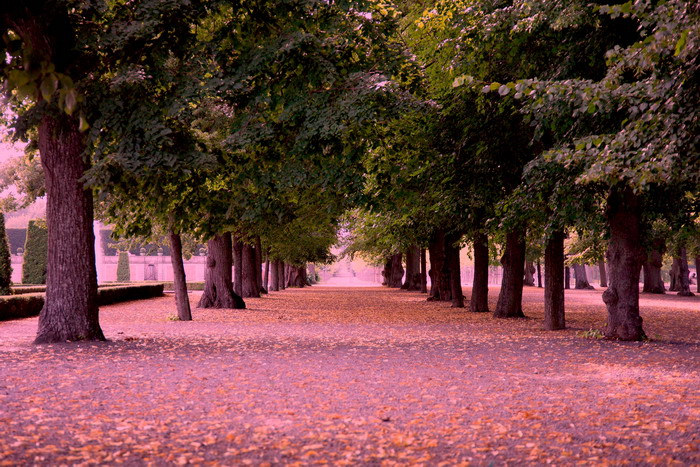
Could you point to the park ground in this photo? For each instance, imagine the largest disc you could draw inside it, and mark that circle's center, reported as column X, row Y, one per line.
column 355, row 376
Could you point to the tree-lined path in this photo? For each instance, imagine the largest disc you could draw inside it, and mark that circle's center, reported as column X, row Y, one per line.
column 357, row 376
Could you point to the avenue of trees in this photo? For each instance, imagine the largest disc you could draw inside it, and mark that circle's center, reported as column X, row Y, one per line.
column 262, row 127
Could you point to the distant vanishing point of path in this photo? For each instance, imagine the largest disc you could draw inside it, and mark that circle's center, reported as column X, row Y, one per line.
column 354, row 376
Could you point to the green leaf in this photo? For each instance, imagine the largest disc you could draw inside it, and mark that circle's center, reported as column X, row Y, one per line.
column 83, row 125
column 591, row 108
column 49, row 85
column 70, row 101
column 459, row 81
column 495, row 86
column 680, row 45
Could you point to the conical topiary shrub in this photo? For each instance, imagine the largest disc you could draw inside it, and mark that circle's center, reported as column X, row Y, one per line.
column 123, row 272
column 35, row 251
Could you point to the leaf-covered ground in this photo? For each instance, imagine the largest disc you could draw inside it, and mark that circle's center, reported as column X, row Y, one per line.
column 355, row 376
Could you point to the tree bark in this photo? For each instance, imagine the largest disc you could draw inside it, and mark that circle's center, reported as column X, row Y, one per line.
column 625, row 257
column 386, row 272
column 480, row 286
column 440, row 287
column 259, row 265
column 238, row 265
column 539, row 274
column 70, row 311
column 250, row 275
column 274, row 276
column 455, row 276
column 182, row 300
column 218, row 288
column 554, row 317
column 281, row 274
column 603, row 273
column 697, row 273
column 529, row 279
column 684, row 273
column 581, row 277
column 423, row 271
column 296, row 276
column 511, row 296
column 653, row 283
column 266, row 276
column 413, row 276
column 312, row 273
column 567, row 277
column 396, row 275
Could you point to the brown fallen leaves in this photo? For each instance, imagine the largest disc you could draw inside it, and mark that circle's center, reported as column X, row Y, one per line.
column 354, row 376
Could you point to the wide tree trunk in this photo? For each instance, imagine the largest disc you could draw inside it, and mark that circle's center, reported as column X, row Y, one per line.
column 70, row 311
column 423, row 271
column 625, row 257
column 250, row 275
column 259, row 265
column 653, row 283
column 218, row 287
column 396, row 275
column 182, row 300
column 440, row 287
column 296, row 276
column 603, row 273
column 454, row 274
column 539, row 274
column 238, row 265
column 480, row 286
column 554, row 317
column 581, row 277
column 684, row 273
column 529, row 279
column 511, row 296
column 413, row 276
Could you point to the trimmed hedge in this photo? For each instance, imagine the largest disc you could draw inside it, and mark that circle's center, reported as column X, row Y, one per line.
column 35, row 252
column 170, row 286
column 30, row 304
column 21, row 290
column 123, row 270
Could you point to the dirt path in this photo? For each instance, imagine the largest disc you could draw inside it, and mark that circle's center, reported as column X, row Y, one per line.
column 354, row 376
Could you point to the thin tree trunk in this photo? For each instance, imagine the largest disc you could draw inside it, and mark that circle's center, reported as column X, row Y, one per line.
column 386, row 272
column 455, row 278
column 697, row 273
column 603, row 273
column 567, row 277
column 684, row 276
column 625, row 257
column 539, row 274
column 396, row 271
column 423, row 271
column 250, row 275
column 218, row 287
column 266, row 277
column 182, row 300
column 312, row 273
column 70, row 311
column 581, row 277
column 274, row 276
column 554, row 317
column 480, row 286
column 529, row 279
column 238, row 264
column 510, row 299
column 281, row 270
column 259, row 265
column 440, row 288
column 413, row 277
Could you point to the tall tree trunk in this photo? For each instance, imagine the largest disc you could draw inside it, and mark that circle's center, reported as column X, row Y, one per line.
column 423, row 271
column 529, row 279
column 581, row 277
column 697, row 273
column 625, row 257
column 266, row 276
column 455, row 275
column 413, row 277
column 238, row 263
column 396, row 271
column 70, row 311
column 259, row 265
column 281, row 274
column 250, row 275
column 684, row 276
column 218, row 287
column 386, row 272
column 182, row 300
column 274, row 276
column 440, row 287
column 554, row 317
column 603, row 273
column 510, row 299
column 567, row 277
column 539, row 274
column 480, row 286
column 653, row 283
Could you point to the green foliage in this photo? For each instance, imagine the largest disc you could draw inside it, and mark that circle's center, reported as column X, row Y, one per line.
column 35, row 253
column 5, row 259
column 591, row 334
column 123, row 270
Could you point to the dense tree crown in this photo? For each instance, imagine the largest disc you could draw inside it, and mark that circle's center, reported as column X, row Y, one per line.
column 263, row 127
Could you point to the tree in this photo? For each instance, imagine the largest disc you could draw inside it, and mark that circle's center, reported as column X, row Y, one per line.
column 35, row 253
column 5, row 260
column 123, row 270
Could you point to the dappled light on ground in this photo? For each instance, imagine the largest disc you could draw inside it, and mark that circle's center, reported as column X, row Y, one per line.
column 352, row 375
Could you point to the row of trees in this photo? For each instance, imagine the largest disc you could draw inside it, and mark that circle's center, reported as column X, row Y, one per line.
column 256, row 125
